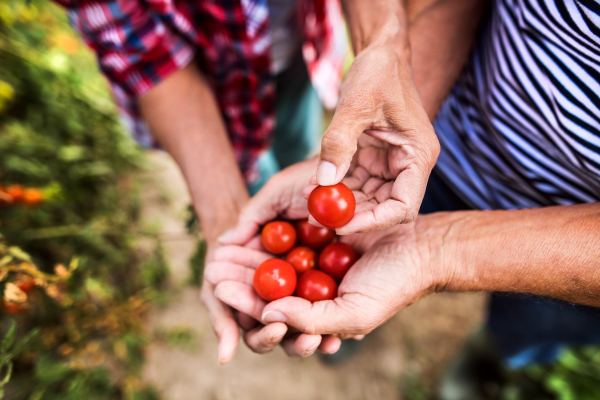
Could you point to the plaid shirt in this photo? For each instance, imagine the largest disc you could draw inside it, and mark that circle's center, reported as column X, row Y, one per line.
column 141, row 42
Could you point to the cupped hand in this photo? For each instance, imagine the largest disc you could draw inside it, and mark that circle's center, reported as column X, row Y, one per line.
column 381, row 116
column 394, row 272
column 231, row 274
column 281, row 197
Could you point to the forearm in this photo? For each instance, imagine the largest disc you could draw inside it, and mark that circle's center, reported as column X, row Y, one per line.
column 184, row 116
column 551, row 251
column 441, row 34
column 377, row 23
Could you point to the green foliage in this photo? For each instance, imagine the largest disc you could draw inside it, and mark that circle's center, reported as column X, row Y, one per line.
column 575, row 376
column 8, row 351
column 59, row 131
column 197, row 263
column 179, row 336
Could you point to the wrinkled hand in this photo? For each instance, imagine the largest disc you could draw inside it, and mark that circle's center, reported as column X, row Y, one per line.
column 394, row 272
column 381, row 116
column 232, row 273
column 232, row 268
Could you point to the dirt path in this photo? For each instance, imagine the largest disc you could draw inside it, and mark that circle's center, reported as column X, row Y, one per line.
column 403, row 356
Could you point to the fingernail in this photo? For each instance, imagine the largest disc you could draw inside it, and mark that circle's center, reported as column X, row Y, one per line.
column 326, row 173
column 277, row 338
column 311, row 350
column 222, row 360
column 227, row 235
column 273, row 316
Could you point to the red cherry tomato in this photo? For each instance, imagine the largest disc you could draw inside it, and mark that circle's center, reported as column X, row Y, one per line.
column 278, row 237
column 302, row 258
column 316, row 285
column 313, row 236
column 275, row 279
column 336, row 259
column 332, row 206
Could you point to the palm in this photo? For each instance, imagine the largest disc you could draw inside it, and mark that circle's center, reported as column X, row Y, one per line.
column 383, row 177
column 389, row 276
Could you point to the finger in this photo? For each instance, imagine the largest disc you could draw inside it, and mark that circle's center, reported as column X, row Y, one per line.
column 255, row 243
column 375, row 161
column 372, row 186
column 265, row 338
column 340, row 143
column 384, row 192
column 218, row 271
column 223, row 323
column 240, row 233
column 330, row 344
column 352, row 313
column 301, row 344
column 245, row 321
column 242, row 297
column 386, row 214
column 358, row 178
column 241, row 255
column 307, row 190
column 313, row 221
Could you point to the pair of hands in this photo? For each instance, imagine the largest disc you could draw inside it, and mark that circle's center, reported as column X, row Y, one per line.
column 387, row 167
column 393, row 272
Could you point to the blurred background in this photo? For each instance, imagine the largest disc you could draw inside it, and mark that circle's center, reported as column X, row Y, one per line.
column 101, row 261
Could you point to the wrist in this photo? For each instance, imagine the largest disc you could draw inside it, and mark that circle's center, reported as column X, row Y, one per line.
column 368, row 30
column 439, row 235
column 219, row 216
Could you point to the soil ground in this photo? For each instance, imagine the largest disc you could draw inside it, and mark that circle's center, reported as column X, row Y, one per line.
column 401, row 360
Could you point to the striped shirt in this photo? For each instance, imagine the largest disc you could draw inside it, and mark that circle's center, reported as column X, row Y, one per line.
column 521, row 127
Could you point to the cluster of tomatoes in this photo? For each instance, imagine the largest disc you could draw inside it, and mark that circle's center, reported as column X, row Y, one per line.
column 17, row 194
column 305, row 272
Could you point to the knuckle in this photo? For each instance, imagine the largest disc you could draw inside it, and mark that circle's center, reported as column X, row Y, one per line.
column 338, row 144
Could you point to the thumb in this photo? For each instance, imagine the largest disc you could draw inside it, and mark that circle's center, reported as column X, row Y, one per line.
column 261, row 208
column 320, row 318
column 338, row 146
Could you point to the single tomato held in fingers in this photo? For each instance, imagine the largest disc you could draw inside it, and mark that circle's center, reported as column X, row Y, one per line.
column 313, row 236
column 302, row 258
column 278, row 237
column 275, row 279
column 332, row 206
column 315, row 285
column 336, row 259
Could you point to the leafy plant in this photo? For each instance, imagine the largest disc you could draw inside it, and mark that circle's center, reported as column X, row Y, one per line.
column 73, row 269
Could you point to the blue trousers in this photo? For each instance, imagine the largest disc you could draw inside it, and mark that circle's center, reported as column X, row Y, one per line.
column 524, row 328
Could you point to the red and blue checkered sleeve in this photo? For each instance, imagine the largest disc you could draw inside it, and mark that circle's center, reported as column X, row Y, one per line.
column 135, row 49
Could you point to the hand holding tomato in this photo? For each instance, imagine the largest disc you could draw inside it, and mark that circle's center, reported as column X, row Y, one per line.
column 381, row 132
column 393, row 272
column 232, row 274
